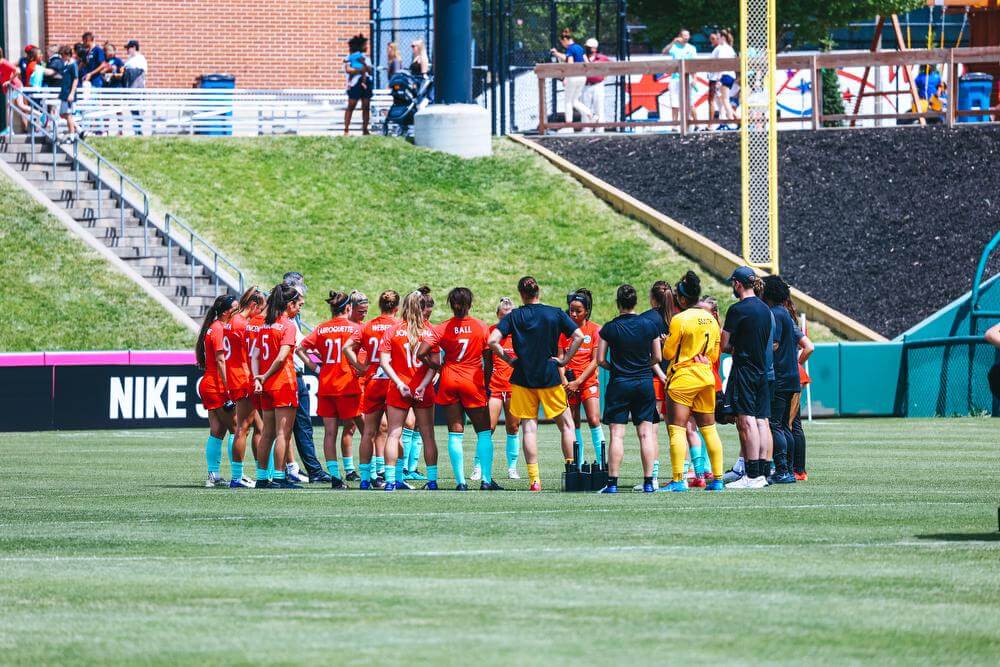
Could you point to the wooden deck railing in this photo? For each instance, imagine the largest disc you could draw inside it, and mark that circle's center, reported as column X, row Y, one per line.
column 951, row 59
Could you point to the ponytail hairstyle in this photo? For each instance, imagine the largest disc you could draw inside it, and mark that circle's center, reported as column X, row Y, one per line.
column 338, row 302
column 775, row 291
column 460, row 300
column 428, row 299
column 388, row 301
column 585, row 297
column 505, row 302
column 413, row 316
column 252, row 298
column 711, row 304
column 727, row 36
column 219, row 308
column 662, row 299
column 688, row 288
column 277, row 302
column 758, row 286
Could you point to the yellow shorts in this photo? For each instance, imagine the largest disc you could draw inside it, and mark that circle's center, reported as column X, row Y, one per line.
column 694, row 392
column 524, row 401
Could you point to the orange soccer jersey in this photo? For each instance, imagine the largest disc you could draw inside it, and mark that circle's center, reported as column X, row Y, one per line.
column 500, row 379
column 410, row 370
column 371, row 338
column 210, row 387
column 237, row 360
column 463, row 340
column 270, row 340
column 336, row 377
column 578, row 364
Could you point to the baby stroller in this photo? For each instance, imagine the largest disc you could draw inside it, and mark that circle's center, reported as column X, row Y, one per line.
column 409, row 93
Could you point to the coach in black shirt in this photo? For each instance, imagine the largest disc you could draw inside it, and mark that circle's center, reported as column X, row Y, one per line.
column 748, row 335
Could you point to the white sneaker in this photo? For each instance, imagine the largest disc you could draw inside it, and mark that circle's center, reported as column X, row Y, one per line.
column 742, row 483
column 512, row 473
column 292, row 468
column 215, row 480
column 757, row 482
column 656, row 485
column 477, row 474
column 242, row 483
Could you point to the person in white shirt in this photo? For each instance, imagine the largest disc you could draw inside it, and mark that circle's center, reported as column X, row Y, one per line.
column 135, row 77
column 724, row 80
column 680, row 49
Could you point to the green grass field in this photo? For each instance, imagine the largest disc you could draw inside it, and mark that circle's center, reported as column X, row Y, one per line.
column 61, row 295
column 111, row 553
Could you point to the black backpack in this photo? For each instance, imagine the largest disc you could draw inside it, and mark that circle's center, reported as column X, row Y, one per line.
column 54, row 80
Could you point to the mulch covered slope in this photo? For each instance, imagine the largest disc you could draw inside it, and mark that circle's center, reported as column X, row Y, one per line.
column 886, row 225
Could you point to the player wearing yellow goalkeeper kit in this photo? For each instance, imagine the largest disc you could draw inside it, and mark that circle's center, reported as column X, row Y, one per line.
column 691, row 348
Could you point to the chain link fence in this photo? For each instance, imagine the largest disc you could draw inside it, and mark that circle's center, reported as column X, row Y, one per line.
column 947, row 377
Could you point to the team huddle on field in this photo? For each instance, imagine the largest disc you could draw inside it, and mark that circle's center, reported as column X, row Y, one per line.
column 383, row 378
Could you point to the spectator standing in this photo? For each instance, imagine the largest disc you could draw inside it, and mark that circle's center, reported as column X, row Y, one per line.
column 572, row 85
column 593, row 89
column 54, row 65
column 134, row 76
column 114, row 77
column 680, row 49
column 420, row 65
column 359, row 82
column 26, row 59
column 724, row 80
column 67, row 91
column 393, row 62
column 94, row 63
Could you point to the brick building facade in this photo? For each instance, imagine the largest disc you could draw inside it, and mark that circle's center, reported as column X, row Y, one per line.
column 266, row 44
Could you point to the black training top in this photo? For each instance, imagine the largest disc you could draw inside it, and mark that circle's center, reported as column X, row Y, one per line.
column 786, row 357
column 751, row 327
column 654, row 316
column 534, row 330
column 630, row 342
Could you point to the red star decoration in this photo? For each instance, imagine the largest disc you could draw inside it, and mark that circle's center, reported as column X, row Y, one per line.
column 646, row 94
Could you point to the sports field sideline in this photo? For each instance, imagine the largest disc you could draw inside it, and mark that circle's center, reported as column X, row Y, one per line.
column 110, row 551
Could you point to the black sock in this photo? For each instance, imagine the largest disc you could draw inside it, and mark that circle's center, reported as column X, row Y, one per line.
column 647, row 480
column 612, row 481
column 756, row 469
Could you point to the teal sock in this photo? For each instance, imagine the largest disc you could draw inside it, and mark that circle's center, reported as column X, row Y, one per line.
column 456, row 456
column 213, row 454
column 415, row 452
column 379, row 465
column 407, row 442
column 270, row 463
column 484, row 452
column 279, row 474
column 348, row 462
column 597, row 437
column 366, row 471
column 513, row 447
column 229, row 452
column 399, row 469
column 390, row 475
column 432, row 473
column 333, row 467
column 475, row 459
column 698, row 458
column 578, row 438
column 237, row 469
column 656, row 469
column 261, row 474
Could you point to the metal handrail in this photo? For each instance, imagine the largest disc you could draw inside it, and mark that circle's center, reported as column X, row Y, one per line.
column 170, row 220
column 975, row 313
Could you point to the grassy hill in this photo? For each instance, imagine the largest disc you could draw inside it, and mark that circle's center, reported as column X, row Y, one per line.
column 61, row 295
column 374, row 213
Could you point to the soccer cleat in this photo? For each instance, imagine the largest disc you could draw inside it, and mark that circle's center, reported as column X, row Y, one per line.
column 697, row 483
column 320, row 478
column 715, row 485
column 648, row 488
column 801, row 476
column 366, row 485
column 462, row 487
column 740, row 483
column 535, row 486
column 431, row 486
column 242, row 483
column 215, row 480
column 352, row 476
column 389, row 486
column 296, row 477
column 287, row 484
column 337, row 484
column 477, row 473
column 783, row 478
column 512, row 473
column 378, row 483
column 610, row 488
column 731, row 476
column 415, row 476
column 675, row 487
column 401, row 485
column 757, row 482
column 264, row 484
column 490, row 486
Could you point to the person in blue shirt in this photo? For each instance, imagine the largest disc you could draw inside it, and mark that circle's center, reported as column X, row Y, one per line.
column 360, row 85
column 630, row 349
column 786, row 376
column 573, row 84
column 67, row 90
column 114, row 77
column 95, row 64
column 748, row 334
column 534, row 329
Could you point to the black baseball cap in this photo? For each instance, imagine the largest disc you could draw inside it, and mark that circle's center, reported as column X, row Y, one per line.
column 132, row 44
column 744, row 275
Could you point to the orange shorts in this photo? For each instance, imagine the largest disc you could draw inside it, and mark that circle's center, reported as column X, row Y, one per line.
column 465, row 393
column 240, row 393
column 258, row 402
column 339, row 407
column 396, row 400
column 661, row 396
column 374, row 397
column 213, row 400
column 287, row 397
column 587, row 391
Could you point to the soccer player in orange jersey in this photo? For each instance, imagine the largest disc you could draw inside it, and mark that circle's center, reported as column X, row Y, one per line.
column 254, row 312
column 498, row 374
column 463, row 384
column 580, row 374
column 357, row 313
column 274, row 378
column 339, row 395
column 376, row 387
column 411, row 441
column 240, row 380
column 214, row 386
column 411, row 388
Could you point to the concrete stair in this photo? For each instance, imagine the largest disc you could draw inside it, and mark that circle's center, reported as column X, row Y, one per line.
column 166, row 266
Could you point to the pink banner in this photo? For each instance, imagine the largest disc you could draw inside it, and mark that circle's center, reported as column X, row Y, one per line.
column 99, row 358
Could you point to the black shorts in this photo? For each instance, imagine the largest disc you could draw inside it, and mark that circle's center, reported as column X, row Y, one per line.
column 362, row 90
column 630, row 397
column 748, row 392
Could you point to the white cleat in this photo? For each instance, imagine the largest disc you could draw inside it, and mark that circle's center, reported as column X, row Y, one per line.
column 512, row 473
column 215, row 480
column 656, row 485
column 242, row 483
column 477, row 474
column 757, row 482
column 741, row 483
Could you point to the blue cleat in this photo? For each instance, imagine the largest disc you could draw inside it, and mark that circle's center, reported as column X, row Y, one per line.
column 611, row 488
column 431, row 486
column 715, row 485
column 287, row 484
column 389, row 486
column 648, row 488
column 675, row 487
column 366, row 485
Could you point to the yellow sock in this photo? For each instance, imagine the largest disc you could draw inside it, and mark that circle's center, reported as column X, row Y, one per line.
column 714, row 446
column 533, row 474
column 568, row 461
column 678, row 447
